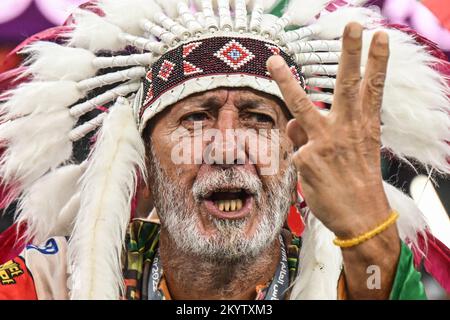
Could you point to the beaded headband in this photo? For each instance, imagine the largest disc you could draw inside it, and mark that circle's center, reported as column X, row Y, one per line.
column 209, row 63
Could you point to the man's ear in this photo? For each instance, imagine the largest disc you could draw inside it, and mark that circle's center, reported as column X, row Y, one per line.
column 144, row 201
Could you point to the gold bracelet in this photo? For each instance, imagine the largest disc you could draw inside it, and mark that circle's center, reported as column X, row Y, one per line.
column 368, row 235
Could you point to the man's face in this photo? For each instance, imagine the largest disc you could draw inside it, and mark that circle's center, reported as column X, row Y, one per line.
column 221, row 201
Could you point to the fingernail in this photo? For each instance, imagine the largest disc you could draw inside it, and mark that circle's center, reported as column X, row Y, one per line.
column 382, row 38
column 276, row 62
column 355, row 31
column 381, row 47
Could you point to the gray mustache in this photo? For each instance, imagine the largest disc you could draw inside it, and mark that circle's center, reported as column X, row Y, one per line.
column 229, row 178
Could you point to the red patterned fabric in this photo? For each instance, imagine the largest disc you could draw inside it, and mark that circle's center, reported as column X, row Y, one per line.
column 16, row 281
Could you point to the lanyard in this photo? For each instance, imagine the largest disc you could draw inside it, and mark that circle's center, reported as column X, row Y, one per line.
column 280, row 283
column 154, row 293
column 276, row 290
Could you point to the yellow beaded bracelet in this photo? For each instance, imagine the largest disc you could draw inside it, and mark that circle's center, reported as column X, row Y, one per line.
column 368, row 235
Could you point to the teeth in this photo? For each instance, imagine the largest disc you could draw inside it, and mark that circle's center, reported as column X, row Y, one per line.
column 229, row 205
column 233, row 205
column 238, row 204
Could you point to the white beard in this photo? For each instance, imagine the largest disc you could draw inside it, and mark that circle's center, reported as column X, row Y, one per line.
column 230, row 241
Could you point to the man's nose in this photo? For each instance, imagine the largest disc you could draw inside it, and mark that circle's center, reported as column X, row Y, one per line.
column 228, row 124
column 227, row 119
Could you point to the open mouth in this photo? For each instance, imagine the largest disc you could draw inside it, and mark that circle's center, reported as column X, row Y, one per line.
column 229, row 203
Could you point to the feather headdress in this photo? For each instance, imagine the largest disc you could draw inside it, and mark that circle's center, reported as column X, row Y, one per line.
column 138, row 57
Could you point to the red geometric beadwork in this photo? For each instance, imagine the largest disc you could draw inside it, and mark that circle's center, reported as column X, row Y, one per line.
column 295, row 73
column 190, row 69
column 149, row 76
column 188, row 48
column 149, row 96
column 274, row 49
column 234, row 54
column 166, row 70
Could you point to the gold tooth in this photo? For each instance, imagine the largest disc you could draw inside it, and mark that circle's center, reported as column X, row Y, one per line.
column 238, row 204
column 221, row 205
column 227, row 205
column 233, row 205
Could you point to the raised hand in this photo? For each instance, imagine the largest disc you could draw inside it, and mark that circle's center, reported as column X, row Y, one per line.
column 338, row 160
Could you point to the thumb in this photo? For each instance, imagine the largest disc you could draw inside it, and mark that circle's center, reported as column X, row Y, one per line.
column 296, row 133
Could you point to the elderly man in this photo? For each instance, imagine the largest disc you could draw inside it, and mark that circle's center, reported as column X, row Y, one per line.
column 226, row 134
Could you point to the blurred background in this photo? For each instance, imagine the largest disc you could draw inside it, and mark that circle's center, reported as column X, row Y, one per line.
column 20, row 19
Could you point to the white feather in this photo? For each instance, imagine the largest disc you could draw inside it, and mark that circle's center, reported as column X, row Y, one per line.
column 320, row 264
column 42, row 204
column 416, row 107
column 332, row 25
column 51, row 61
column 95, row 33
column 40, row 97
column 411, row 220
column 107, row 189
column 302, row 12
column 35, row 145
column 170, row 7
column 136, row 11
column 66, row 217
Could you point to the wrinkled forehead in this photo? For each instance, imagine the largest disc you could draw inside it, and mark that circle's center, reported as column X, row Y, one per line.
column 240, row 97
column 207, row 64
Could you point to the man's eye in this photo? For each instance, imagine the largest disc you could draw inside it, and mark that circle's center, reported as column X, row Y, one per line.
column 261, row 118
column 200, row 116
